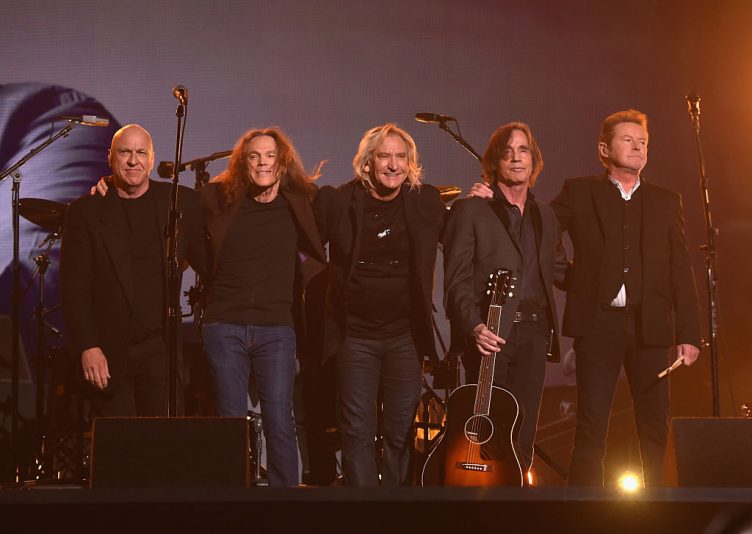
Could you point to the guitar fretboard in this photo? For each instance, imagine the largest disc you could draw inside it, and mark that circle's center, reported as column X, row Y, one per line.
column 487, row 365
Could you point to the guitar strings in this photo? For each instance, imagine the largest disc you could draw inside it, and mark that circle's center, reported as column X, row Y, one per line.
column 483, row 397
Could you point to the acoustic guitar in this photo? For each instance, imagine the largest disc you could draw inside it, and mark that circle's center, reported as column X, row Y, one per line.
column 479, row 444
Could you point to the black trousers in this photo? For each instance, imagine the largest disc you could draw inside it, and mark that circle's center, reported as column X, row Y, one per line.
column 140, row 389
column 613, row 341
column 521, row 369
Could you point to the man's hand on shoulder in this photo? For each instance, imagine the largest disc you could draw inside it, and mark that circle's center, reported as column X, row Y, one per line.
column 101, row 187
column 481, row 190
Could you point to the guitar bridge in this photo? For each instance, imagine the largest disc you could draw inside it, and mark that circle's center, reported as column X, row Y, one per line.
column 469, row 466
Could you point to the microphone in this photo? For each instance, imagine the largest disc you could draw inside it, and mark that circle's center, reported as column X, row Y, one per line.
column 86, row 120
column 433, row 117
column 164, row 169
column 693, row 105
column 181, row 93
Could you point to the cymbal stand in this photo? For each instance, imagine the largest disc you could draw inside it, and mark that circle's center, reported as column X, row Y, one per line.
column 42, row 361
column 15, row 172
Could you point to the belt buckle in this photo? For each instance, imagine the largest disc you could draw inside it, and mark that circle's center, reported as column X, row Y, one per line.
column 521, row 317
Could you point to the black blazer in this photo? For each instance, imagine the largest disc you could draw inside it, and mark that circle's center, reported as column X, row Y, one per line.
column 96, row 267
column 339, row 215
column 669, row 310
column 476, row 243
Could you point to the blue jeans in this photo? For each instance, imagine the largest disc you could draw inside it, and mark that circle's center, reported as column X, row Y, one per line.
column 363, row 365
column 233, row 352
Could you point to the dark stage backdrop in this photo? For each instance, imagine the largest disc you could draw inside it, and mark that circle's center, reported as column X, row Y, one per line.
column 326, row 71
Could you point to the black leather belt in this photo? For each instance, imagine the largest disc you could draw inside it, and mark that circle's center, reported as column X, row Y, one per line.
column 524, row 317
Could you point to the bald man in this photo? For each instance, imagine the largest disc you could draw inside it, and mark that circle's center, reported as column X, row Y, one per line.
column 113, row 280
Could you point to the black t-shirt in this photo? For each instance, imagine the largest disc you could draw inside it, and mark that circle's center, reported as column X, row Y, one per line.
column 146, row 266
column 254, row 280
column 378, row 292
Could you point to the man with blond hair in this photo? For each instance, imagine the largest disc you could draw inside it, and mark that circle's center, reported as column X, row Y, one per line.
column 382, row 229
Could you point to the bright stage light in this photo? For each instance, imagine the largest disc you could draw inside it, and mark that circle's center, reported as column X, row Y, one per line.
column 629, row 482
column 530, row 478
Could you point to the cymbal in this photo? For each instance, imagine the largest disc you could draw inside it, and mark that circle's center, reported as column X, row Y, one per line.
column 47, row 214
column 448, row 192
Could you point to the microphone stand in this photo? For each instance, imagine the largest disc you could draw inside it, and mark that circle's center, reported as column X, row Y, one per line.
column 165, row 168
column 174, row 270
column 195, row 292
column 15, row 329
column 458, row 137
column 693, row 102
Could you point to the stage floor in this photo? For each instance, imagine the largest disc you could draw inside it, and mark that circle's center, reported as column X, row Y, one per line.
column 338, row 509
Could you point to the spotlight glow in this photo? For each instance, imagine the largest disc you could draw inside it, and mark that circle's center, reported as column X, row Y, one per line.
column 629, row 482
column 530, row 478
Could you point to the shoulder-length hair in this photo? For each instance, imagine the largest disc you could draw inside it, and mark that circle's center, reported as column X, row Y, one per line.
column 235, row 180
column 371, row 141
column 497, row 144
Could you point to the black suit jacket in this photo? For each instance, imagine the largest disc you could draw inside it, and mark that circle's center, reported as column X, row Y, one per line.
column 96, row 268
column 339, row 215
column 476, row 243
column 669, row 310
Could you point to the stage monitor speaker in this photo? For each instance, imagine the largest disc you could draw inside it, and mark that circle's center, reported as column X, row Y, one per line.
column 709, row 452
column 147, row 452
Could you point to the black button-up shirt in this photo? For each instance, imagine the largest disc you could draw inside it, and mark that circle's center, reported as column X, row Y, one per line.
column 531, row 292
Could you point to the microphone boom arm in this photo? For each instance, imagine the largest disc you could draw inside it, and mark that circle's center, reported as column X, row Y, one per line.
column 460, row 140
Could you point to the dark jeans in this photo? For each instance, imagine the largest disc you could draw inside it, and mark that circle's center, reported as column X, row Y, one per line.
column 612, row 342
column 140, row 390
column 520, row 369
column 233, row 351
column 362, row 365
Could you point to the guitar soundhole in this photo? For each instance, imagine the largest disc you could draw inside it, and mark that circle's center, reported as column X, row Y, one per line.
column 478, row 429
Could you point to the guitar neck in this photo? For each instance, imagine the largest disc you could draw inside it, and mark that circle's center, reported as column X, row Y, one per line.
column 487, row 366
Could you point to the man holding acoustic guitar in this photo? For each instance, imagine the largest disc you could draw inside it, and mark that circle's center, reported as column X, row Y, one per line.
column 514, row 232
